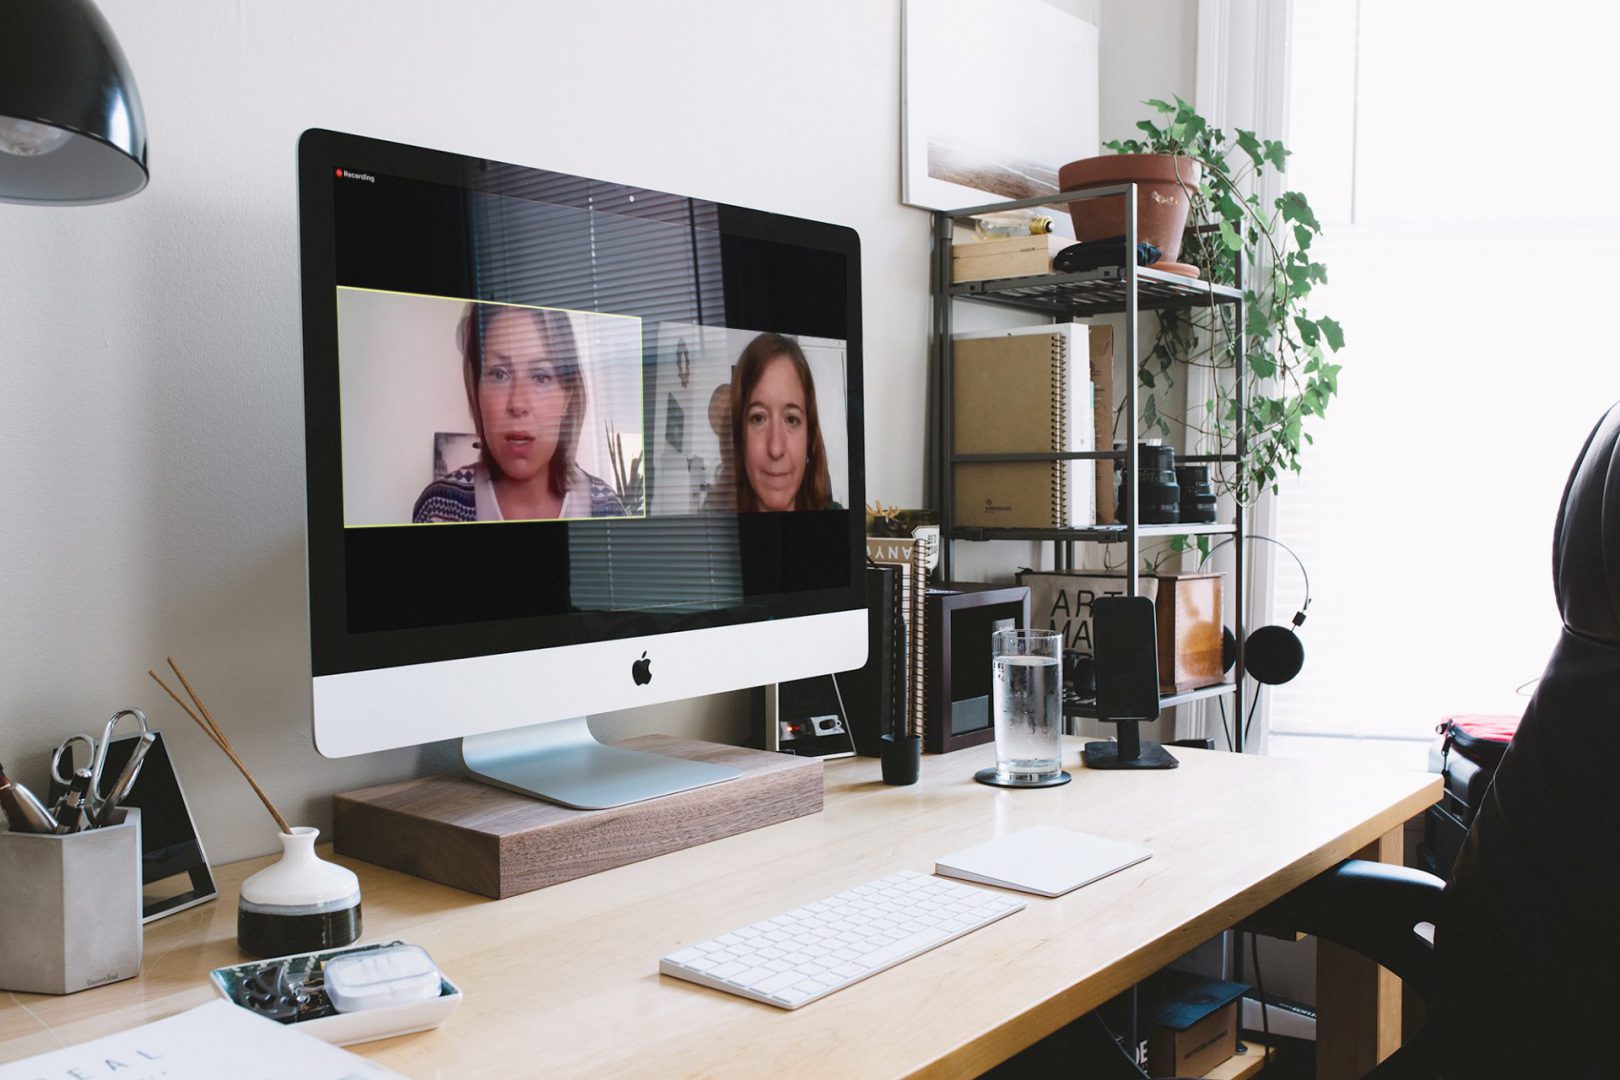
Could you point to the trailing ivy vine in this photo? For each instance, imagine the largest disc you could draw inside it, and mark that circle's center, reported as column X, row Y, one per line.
column 1292, row 379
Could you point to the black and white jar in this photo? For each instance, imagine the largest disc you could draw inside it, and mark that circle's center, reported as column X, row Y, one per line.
column 300, row 903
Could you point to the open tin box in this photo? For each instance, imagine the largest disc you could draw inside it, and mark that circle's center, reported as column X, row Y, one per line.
column 291, row 990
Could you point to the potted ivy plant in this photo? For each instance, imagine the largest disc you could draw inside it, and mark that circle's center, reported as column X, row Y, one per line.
column 1287, row 346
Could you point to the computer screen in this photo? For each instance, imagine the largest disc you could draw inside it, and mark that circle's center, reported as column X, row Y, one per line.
column 564, row 436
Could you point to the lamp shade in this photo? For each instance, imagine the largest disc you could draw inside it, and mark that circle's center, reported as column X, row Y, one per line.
column 71, row 126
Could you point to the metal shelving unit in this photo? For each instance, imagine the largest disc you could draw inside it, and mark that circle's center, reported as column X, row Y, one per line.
column 1127, row 289
column 1088, row 708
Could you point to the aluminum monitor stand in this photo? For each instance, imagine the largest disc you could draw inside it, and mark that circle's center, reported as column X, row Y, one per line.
column 562, row 762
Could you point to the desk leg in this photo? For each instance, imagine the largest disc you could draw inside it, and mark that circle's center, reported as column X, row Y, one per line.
column 1358, row 1003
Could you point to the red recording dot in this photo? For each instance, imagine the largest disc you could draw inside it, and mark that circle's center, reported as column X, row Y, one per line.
column 340, row 173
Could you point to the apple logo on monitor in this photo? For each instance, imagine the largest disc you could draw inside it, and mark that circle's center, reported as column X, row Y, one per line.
column 641, row 671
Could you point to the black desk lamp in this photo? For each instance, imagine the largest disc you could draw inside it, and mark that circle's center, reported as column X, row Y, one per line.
column 71, row 126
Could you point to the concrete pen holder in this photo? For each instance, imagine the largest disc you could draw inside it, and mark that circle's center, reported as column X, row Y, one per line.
column 72, row 907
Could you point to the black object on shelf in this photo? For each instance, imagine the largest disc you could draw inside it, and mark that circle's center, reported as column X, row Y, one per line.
column 1197, row 494
column 1159, row 496
column 1109, row 251
column 1127, row 683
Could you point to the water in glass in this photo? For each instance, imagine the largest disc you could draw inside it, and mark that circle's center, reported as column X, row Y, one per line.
column 1028, row 710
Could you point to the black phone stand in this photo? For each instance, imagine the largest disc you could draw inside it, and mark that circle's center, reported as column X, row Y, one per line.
column 1127, row 666
column 1128, row 752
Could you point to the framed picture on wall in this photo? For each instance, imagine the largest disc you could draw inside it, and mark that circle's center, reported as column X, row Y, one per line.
column 995, row 97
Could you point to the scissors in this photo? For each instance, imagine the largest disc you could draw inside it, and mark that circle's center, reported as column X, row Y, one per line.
column 97, row 753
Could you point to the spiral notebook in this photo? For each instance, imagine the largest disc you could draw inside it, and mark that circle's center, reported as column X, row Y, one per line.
column 1023, row 391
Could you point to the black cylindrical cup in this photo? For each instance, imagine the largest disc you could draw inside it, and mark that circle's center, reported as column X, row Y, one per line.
column 902, row 759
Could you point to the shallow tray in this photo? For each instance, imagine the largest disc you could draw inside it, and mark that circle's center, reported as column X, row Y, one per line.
column 345, row 1029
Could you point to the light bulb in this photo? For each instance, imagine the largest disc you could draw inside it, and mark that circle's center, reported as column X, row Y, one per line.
column 28, row 138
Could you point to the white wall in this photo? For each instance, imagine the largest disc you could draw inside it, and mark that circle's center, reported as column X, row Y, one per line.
column 151, row 404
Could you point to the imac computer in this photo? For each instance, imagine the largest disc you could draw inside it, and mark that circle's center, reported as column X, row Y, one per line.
column 572, row 446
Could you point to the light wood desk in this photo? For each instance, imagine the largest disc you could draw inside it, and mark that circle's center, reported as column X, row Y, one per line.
column 564, row 981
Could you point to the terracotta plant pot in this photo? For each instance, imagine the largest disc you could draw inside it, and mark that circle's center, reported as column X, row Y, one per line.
column 1162, row 183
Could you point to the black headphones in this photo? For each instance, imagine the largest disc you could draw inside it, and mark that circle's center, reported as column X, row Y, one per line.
column 1272, row 654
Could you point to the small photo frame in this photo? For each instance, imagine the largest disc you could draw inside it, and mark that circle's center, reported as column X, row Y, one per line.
column 962, row 621
column 174, row 868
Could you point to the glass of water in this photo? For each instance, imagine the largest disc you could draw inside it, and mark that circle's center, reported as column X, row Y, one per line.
column 1027, row 706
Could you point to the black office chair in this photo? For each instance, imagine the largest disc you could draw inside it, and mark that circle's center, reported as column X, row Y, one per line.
column 1523, row 979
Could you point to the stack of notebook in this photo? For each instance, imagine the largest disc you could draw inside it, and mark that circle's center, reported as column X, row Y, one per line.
column 1024, row 391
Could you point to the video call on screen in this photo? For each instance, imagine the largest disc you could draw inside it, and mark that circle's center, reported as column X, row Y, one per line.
column 580, row 402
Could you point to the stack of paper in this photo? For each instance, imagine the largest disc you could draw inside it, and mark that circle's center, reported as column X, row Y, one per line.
column 206, row 1043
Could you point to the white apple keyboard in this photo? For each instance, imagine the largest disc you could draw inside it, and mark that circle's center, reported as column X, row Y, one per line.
column 798, row 956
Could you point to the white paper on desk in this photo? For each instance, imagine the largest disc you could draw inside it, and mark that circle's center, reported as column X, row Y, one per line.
column 206, row 1043
column 1044, row 860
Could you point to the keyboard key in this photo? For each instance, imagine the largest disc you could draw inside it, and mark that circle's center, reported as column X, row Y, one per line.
column 779, row 981
column 898, row 949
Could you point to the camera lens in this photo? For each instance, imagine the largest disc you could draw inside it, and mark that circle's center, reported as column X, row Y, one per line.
column 1159, row 496
column 1197, row 494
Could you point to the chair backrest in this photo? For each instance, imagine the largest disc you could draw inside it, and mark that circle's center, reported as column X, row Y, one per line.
column 1529, row 946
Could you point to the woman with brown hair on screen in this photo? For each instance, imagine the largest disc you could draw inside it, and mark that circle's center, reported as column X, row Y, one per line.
column 527, row 396
column 776, row 429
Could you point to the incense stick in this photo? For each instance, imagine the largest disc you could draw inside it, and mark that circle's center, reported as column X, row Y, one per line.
column 212, row 730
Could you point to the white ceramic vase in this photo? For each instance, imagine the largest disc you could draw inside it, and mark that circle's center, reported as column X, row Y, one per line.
column 299, row 903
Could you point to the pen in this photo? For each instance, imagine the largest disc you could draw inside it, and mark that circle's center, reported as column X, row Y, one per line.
column 72, row 818
column 126, row 779
column 23, row 811
column 15, row 819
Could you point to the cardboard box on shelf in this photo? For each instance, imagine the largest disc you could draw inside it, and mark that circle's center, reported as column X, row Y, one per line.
column 1012, row 256
column 1191, row 1022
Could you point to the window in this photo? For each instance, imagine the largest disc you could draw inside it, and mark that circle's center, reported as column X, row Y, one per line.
column 1458, row 157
